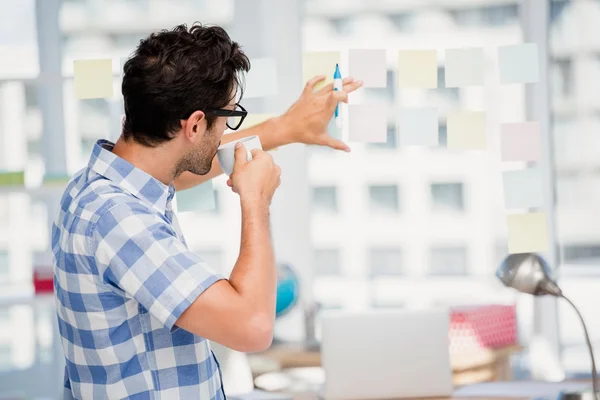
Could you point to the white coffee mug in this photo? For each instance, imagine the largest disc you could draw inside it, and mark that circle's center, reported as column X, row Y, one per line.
column 226, row 152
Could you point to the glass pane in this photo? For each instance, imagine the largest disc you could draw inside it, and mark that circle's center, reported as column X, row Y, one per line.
column 574, row 74
column 383, row 198
column 447, row 197
column 448, row 261
column 324, row 198
column 439, row 210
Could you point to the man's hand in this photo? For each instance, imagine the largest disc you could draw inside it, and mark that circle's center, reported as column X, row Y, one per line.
column 257, row 180
column 309, row 116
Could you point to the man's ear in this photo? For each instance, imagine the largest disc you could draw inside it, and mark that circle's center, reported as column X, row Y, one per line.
column 195, row 126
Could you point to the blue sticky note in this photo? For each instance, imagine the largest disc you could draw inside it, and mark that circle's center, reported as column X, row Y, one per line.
column 333, row 130
column 199, row 198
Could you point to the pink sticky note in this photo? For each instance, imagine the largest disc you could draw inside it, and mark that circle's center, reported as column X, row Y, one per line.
column 520, row 141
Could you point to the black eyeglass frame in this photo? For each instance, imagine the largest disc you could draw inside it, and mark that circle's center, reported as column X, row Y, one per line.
column 222, row 112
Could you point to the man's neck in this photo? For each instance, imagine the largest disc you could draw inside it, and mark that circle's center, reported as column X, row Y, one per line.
column 153, row 161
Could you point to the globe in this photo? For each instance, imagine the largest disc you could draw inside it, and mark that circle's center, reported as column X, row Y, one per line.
column 288, row 289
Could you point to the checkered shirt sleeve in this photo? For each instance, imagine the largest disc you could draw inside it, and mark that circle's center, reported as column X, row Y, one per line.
column 140, row 254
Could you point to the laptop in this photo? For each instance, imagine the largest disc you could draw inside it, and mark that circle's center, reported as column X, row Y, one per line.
column 386, row 354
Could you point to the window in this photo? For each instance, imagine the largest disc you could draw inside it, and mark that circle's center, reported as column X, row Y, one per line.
column 383, row 198
column 581, row 253
column 447, row 197
column 562, row 78
column 448, row 261
column 324, row 199
column 450, row 93
column 385, row 262
column 496, row 15
column 442, row 135
column 4, row 267
column 326, row 262
column 403, row 21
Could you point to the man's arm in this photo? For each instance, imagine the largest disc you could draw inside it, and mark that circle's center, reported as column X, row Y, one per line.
column 240, row 313
column 305, row 122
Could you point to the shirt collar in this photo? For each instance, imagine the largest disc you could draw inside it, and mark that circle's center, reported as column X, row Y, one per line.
column 137, row 182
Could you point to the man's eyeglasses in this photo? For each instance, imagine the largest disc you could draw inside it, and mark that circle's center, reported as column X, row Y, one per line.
column 235, row 117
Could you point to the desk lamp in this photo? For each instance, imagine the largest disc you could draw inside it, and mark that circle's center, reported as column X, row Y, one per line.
column 529, row 273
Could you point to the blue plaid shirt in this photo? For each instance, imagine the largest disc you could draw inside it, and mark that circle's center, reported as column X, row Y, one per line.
column 123, row 275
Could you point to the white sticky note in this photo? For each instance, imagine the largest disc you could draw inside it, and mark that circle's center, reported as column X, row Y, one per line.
column 418, row 126
column 199, row 198
column 523, row 188
column 261, row 80
column 466, row 130
column 417, row 68
column 369, row 66
column 527, row 233
column 464, row 67
column 319, row 63
column 93, row 79
column 367, row 123
column 519, row 63
column 520, row 141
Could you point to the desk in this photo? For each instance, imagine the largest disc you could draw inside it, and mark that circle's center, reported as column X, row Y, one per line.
column 483, row 366
column 509, row 390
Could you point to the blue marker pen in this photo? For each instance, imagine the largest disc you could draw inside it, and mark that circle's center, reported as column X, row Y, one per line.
column 337, row 85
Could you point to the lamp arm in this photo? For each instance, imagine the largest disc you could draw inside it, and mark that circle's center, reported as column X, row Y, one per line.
column 589, row 345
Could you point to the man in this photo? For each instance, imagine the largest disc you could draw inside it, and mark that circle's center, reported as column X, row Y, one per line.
column 136, row 308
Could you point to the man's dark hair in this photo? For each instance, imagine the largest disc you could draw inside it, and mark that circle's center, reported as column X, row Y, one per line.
column 173, row 73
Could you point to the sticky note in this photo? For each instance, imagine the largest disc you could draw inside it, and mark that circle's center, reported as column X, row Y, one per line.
column 333, row 130
column 418, row 126
column 464, row 67
column 369, row 66
column 466, row 130
column 319, row 63
column 527, row 233
column 417, row 68
column 261, row 80
column 255, row 119
column 56, row 179
column 93, row 79
column 8, row 178
column 199, row 198
column 520, row 141
column 523, row 188
column 367, row 123
column 519, row 63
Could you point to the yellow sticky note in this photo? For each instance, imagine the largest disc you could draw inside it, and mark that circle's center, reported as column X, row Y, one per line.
column 256, row 119
column 527, row 233
column 93, row 79
column 417, row 68
column 466, row 130
column 319, row 63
